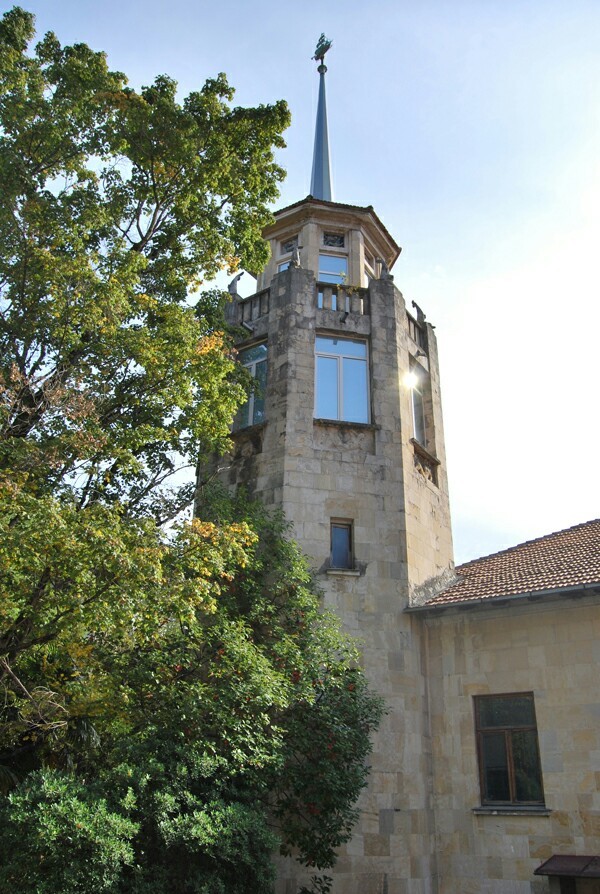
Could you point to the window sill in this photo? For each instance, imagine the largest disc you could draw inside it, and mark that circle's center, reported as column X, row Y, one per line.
column 511, row 810
column 424, row 452
column 343, row 572
column 342, row 423
column 248, row 429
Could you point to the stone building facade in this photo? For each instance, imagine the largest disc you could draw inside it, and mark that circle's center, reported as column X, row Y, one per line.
column 519, row 626
column 333, row 445
column 345, row 434
column 486, row 769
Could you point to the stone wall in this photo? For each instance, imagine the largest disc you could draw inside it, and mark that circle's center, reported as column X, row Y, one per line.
column 553, row 650
column 420, row 829
column 316, row 470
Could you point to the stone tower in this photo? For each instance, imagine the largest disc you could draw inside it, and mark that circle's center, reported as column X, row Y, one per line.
column 344, row 433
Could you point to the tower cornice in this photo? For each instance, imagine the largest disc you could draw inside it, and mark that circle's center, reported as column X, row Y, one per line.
column 335, row 213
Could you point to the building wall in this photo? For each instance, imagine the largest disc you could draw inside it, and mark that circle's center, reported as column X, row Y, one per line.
column 418, row 832
column 553, row 650
column 370, row 474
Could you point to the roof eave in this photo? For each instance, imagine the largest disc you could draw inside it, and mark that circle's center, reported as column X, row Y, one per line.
column 575, row 592
column 301, row 210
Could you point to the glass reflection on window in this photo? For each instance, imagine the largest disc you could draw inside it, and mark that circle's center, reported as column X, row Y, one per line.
column 332, row 269
column 253, row 411
column 342, row 390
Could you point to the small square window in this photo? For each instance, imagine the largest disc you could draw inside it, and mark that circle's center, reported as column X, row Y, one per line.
column 507, row 744
column 288, row 245
column 283, row 266
column 341, row 544
column 334, row 240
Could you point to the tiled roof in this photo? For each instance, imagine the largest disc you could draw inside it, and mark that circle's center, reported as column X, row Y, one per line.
column 565, row 559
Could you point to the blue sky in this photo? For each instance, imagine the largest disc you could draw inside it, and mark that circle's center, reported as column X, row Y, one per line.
column 473, row 128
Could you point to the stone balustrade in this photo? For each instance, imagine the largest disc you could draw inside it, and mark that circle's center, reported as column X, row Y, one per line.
column 346, row 299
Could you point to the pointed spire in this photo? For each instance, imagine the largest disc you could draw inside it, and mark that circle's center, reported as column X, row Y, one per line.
column 320, row 184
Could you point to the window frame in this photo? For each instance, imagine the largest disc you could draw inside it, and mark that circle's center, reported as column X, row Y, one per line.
column 369, row 266
column 288, row 246
column 417, row 402
column 346, row 525
column 331, row 239
column 332, row 277
column 250, row 404
column 508, row 730
column 339, row 358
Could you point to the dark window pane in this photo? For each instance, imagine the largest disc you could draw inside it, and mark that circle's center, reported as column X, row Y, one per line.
column 250, row 355
column 253, row 411
column 496, row 785
column 512, row 710
column 508, row 748
column 526, row 761
column 289, row 245
column 241, row 417
column 259, row 392
column 341, row 547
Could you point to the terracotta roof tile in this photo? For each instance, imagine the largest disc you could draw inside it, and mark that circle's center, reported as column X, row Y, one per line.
column 569, row 558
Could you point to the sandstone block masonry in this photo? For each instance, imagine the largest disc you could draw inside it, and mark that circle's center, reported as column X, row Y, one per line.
column 391, row 489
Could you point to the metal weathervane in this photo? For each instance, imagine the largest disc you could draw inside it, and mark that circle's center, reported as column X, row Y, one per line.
column 322, row 46
column 320, row 187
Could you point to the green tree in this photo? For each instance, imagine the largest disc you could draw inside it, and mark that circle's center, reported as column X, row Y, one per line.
column 173, row 733
column 175, row 705
column 112, row 204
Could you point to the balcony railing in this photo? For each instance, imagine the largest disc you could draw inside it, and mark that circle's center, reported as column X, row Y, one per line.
column 329, row 297
column 347, row 300
column 250, row 309
column 416, row 332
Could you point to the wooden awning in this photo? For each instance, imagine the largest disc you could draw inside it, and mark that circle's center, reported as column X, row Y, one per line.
column 570, row 866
